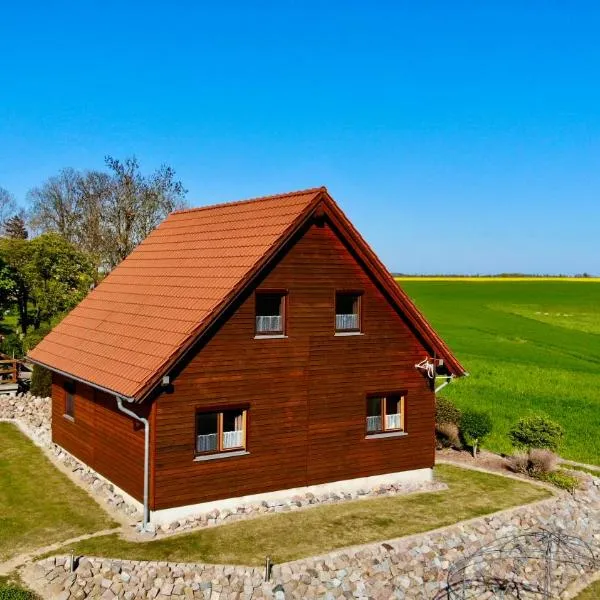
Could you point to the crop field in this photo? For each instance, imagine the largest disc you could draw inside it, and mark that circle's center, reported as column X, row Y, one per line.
column 530, row 346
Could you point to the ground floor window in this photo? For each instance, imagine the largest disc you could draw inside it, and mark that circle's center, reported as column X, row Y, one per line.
column 220, row 431
column 69, row 399
column 385, row 413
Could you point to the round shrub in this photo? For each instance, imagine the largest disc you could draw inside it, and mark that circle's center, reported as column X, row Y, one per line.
column 446, row 412
column 475, row 426
column 41, row 382
column 536, row 431
column 447, row 435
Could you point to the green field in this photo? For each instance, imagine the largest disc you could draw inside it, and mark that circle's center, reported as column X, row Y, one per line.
column 529, row 346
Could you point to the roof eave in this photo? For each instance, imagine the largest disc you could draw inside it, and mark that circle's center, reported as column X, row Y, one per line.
column 81, row 380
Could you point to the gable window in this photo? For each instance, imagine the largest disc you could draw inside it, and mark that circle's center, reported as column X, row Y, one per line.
column 270, row 313
column 220, row 431
column 385, row 413
column 69, row 388
column 347, row 311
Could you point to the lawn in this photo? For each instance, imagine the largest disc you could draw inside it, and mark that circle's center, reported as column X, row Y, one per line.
column 288, row 536
column 590, row 593
column 529, row 346
column 38, row 504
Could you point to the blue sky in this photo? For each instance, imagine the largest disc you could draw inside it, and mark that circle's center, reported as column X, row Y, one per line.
column 458, row 136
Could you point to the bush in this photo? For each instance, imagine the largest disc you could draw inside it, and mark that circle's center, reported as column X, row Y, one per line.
column 11, row 591
column 446, row 412
column 12, row 345
column 519, row 463
column 561, row 479
column 541, row 462
column 536, row 431
column 41, row 382
column 474, row 426
column 447, row 435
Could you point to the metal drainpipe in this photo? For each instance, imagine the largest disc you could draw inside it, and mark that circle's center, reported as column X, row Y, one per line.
column 146, row 517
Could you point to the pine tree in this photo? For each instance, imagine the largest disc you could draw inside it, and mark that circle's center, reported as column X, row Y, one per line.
column 14, row 228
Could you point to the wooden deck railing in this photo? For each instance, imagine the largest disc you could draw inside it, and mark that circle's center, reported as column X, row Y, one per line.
column 9, row 371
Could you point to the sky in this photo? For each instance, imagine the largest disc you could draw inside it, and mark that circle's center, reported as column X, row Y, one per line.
column 459, row 137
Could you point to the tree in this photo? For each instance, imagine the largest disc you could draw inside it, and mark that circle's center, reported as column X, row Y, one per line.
column 14, row 227
column 474, row 426
column 106, row 214
column 137, row 204
column 45, row 277
column 7, row 204
column 56, row 205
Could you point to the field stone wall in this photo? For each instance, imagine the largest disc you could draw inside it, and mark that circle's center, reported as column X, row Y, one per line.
column 406, row 568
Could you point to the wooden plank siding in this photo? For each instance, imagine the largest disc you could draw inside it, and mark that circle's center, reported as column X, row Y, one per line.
column 306, row 394
column 101, row 436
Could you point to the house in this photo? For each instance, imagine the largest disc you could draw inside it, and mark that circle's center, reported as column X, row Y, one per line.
column 243, row 349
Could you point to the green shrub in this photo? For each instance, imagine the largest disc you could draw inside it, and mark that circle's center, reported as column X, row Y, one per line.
column 11, row 591
column 41, row 382
column 560, row 479
column 35, row 336
column 446, row 412
column 536, row 431
column 474, row 426
column 12, row 344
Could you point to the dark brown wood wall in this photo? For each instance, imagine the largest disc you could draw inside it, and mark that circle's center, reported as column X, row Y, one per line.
column 101, row 436
column 306, row 393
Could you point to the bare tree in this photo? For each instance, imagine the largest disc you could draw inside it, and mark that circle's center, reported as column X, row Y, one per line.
column 56, row 205
column 106, row 214
column 137, row 204
column 8, row 205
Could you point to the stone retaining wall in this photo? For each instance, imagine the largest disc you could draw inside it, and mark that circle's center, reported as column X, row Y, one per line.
column 411, row 567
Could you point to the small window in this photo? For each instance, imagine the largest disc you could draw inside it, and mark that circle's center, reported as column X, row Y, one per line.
column 270, row 313
column 385, row 413
column 221, row 431
column 70, row 399
column 347, row 311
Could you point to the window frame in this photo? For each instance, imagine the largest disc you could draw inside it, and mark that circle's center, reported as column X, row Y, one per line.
column 70, row 390
column 358, row 295
column 219, row 410
column 383, row 396
column 283, row 308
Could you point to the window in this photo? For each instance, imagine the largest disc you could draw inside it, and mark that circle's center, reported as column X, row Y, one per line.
column 69, row 399
column 221, row 431
column 347, row 311
column 385, row 413
column 270, row 313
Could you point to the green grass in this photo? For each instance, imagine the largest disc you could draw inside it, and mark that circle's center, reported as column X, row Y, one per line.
column 288, row 536
column 530, row 346
column 38, row 504
column 12, row 590
column 590, row 593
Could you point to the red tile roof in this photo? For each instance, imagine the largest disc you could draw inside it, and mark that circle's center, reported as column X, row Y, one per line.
column 129, row 331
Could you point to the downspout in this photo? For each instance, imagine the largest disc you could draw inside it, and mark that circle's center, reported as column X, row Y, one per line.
column 130, row 413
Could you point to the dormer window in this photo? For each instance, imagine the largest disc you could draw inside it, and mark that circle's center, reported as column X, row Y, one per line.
column 347, row 312
column 270, row 313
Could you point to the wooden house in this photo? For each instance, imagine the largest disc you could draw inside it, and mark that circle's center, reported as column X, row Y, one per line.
column 244, row 349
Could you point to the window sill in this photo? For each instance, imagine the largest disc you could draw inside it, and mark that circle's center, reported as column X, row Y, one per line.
column 69, row 418
column 221, row 455
column 385, row 434
column 347, row 333
column 270, row 336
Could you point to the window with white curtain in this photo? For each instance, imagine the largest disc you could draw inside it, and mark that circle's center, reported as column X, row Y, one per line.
column 220, row 431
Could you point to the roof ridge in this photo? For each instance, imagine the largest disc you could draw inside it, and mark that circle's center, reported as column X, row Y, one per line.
column 248, row 200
